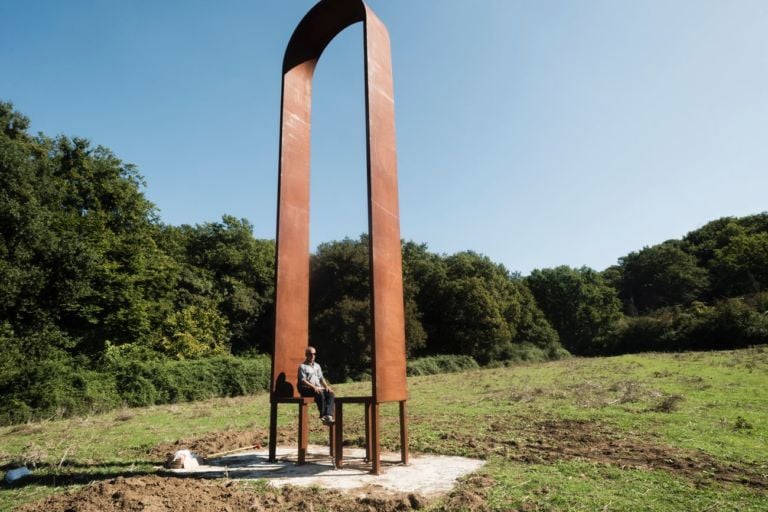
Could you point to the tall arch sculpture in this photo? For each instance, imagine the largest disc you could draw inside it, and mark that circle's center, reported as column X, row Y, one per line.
column 315, row 31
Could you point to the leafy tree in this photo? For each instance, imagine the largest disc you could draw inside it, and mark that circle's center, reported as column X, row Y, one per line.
column 578, row 303
column 76, row 241
column 475, row 307
column 225, row 263
column 730, row 267
column 195, row 332
column 340, row 317
column 418, row 267
column 340, row 305
column 659, row 276
column 474, row 320
column 704, row 241
column 423, row 274
column 741, row 267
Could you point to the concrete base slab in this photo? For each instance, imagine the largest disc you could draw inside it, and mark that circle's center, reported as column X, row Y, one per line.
column 427, row 475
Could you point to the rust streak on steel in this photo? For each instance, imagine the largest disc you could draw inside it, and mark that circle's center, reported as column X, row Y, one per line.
column 315, row 31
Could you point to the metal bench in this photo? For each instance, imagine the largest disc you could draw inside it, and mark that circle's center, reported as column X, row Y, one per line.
column 371, row 433
column 303, row 426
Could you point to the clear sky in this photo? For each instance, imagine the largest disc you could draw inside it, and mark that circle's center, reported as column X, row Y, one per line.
column 539, row 133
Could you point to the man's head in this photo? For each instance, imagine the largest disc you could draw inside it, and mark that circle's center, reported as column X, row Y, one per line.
column 310, row 353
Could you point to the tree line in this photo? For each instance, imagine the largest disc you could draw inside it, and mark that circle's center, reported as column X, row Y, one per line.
column 92, row 279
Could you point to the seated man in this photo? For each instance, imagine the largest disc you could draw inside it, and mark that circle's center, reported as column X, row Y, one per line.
column 312, row 383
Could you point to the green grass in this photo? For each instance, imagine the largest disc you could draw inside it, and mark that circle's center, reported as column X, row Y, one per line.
column 541, row 427
column 582, row 486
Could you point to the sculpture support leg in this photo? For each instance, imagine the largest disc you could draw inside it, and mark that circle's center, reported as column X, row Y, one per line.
column 375, row 447
column 332, row 440
column 368, row 435
column 403, row 433
column 272, row 431
column 303, row 431
column 339, row 455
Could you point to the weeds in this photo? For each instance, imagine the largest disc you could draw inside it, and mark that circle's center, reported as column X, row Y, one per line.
column 668, row 404
column 741, row 424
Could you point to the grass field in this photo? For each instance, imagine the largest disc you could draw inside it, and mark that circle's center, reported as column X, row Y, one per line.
column 637, row 432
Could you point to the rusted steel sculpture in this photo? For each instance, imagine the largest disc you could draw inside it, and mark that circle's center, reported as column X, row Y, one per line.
column 321, row 24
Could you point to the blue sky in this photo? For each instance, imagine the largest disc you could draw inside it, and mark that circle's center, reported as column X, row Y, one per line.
column 539, row 133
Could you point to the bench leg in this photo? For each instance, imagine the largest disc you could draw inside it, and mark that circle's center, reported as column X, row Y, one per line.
column 339, row 443
column 403, row 433
column 303, row 432
column 272, row 431
column 375, row 447
column 367, row 409
column 332, row 440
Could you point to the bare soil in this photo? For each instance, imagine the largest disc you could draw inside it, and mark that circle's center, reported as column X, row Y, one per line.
column 541, row 442
column 215, row 442
column 552, row 440
column 156, row 493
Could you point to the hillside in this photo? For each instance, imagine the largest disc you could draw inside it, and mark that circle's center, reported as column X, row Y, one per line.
column 636, row 432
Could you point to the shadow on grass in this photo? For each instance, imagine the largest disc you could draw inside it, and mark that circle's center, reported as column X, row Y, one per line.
column 79, row 473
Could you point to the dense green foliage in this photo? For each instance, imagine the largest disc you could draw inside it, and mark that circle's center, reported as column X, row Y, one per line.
column 58, row 385
column 84, row 259
column 88, row 273
column 98, row 294
column 462, row 304
column 732, row 322
column 224, row 285
column 579, row 304
column 705, row 291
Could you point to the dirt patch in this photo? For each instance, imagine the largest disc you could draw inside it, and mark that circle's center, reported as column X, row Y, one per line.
column 470, row 495
column 216, row 442
column 551, row 440
column 156, row 493
column 540, row 442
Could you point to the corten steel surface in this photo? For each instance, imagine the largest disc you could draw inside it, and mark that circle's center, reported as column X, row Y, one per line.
column 314, row 32
column 321, row 24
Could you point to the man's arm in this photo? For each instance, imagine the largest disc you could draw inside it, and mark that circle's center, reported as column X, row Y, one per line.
column 303, row 378
column 309, row 384
column 323, row 381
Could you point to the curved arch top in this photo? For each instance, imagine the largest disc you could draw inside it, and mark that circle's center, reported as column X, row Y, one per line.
column 318, row 28
column 312, row 35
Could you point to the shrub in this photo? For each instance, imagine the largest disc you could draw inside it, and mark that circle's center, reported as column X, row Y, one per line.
column 55, row 387
column 728, row 324
column 530, row 353
column 440, row 364
column 61, row 386
column 159, row 381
